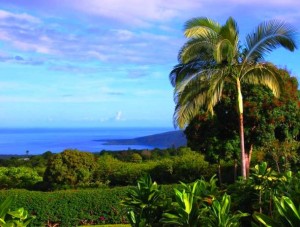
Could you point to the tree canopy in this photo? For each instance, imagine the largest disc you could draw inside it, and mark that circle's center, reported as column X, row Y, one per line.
column 266, row 118
column 71, row 167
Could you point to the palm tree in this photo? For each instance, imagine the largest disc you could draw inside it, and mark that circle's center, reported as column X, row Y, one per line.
column 213, row 57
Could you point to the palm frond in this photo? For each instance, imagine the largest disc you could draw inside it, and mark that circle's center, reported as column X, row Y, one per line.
column 196, row 48
column 190, row 88
column 230, row 31
column 216, row 84
column 265, row 74
column 177, row 74
column 224, row 51
column 185, row 113
column 183, row 72
column 201, row 27
column 267, row 37
column 191, row 95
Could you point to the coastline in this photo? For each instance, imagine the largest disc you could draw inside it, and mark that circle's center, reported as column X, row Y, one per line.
column 40, row 140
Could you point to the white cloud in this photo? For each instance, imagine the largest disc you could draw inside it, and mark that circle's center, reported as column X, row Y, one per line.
column 135, row 11
column 15, row 17
column 119, row 116
column 63, row 41
column 269, row 3
column 102, row 39
column 123, row 35
column 39, row 47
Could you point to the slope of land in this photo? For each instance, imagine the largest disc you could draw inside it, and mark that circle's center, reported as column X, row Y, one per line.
column 162, row 140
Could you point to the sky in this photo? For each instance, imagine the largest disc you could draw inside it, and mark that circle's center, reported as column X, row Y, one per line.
column 106, row 63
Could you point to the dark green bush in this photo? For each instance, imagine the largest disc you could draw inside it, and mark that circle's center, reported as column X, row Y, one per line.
column 163, row 171
column 128, row 173
column 191, row 166
column 70, row 168
column 117, row 172
column 188, row 166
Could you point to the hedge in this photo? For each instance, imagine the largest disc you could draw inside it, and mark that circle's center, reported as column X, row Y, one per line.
column 74, row 207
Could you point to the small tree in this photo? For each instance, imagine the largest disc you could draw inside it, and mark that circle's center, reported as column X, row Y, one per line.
column 71, row 167
column 135, row 157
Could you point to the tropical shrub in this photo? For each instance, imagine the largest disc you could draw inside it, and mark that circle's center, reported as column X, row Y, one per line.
column 135, row 157
column 16, row 218
column 190, row 201
column 107, row 167
column 163, row 171
column 116, row 172
column 191, row 166
column 220, row 214
column 145, row 203
column 286, row 214
column 18, row 177
column 70, row 168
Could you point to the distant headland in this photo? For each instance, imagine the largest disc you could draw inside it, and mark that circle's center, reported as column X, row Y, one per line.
column 161, row 140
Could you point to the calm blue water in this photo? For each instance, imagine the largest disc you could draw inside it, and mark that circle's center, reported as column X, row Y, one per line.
column 40, row 140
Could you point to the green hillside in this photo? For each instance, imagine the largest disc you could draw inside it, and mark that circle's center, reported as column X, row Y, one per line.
column 162, row 140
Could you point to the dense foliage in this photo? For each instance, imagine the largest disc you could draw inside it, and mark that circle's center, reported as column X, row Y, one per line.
column 186, row 165
column 75, row 169
column 73, row 207
column 18, row 177
column 266, row 119
column 266, row 198
column 71, row 167
column 13, row 218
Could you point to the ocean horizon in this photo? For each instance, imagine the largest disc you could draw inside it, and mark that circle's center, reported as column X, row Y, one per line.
column 17, row 141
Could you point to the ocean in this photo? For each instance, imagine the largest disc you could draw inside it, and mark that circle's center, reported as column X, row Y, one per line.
column 17, row 141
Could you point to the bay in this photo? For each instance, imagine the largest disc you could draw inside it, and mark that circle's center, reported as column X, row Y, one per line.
column 16, row 141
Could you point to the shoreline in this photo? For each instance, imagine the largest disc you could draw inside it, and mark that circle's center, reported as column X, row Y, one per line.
column 37, row 143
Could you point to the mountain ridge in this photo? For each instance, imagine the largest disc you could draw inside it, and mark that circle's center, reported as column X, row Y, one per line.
column 161, row 140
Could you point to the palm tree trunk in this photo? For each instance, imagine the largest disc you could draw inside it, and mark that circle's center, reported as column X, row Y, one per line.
column 241, row 124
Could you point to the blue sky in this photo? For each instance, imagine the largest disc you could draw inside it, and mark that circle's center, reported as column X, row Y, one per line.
column 105, row 63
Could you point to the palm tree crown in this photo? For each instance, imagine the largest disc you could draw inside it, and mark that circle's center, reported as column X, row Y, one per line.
column 214, row 56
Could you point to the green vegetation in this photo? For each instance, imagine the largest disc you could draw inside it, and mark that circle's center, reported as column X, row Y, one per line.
column 203, row 203
column 199, row 202
column 190, row 200
column 18, row 177
column 287, row 214
column 145, row 203
column 71, row 207
column 15, row 218
column 71, row 167
column 214, row 57
column 266, row 119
